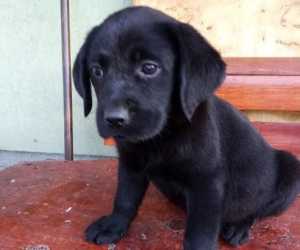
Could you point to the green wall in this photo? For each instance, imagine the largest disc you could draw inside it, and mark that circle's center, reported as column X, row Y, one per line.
column 31, row 88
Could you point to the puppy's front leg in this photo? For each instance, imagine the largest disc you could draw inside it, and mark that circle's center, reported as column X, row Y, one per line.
column 131, row 189
column 204, row 208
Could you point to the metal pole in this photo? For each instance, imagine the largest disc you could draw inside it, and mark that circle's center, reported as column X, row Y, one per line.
column 65, row 33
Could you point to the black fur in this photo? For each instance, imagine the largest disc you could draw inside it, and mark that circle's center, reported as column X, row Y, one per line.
column 172, row 130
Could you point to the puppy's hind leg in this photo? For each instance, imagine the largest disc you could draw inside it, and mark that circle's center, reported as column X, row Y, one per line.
column 286, row 189
column 287, row 186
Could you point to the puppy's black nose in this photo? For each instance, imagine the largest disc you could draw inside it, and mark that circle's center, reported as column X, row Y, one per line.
column 115, row 121
column 117, row 118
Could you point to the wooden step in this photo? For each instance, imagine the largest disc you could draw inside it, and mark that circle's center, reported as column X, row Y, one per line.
column 49, row 204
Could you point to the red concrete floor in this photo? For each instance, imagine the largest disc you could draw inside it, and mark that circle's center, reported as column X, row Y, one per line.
column 47, row 205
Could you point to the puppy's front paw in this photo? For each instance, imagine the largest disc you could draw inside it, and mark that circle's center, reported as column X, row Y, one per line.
column 106, row 230
column 236, row 234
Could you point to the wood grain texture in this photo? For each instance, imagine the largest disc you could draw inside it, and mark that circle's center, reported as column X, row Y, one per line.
column 284, row 136
column 272, row 116
column 262, row 92
column 263, row 66
column 35, row 212
column 109, row 142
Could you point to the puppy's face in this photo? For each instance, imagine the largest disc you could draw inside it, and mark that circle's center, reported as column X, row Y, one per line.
column 132, row 71
column 135, row 60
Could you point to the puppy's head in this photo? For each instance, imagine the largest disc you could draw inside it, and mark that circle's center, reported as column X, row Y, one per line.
column 136, row 60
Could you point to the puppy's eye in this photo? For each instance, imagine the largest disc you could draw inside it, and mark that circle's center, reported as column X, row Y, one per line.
column 150, row 69
column 97, row 71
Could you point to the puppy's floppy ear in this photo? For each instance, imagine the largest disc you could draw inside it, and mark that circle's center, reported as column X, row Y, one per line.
column 82, row 80
column 201, row 68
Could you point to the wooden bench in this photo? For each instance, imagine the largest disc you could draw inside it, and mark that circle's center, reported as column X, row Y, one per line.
column 267, row 85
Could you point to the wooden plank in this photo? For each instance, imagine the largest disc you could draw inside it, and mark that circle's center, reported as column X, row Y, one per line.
column 262, row 92
column 36, row 205
column 109, row 142
column 284, row 136
column 263, row 66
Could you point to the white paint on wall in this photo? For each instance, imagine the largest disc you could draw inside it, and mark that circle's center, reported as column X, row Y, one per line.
column 31, row 89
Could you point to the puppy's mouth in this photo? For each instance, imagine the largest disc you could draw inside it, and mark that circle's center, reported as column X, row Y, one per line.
column 124, row 138
column 133, row 138
column 139, row 130
column 116, row 135
column 120, row 137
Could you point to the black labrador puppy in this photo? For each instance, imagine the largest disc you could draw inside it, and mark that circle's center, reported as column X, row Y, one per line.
column 154, row 78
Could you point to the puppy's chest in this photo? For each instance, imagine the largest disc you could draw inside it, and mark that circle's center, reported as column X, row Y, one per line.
column 171, row 164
